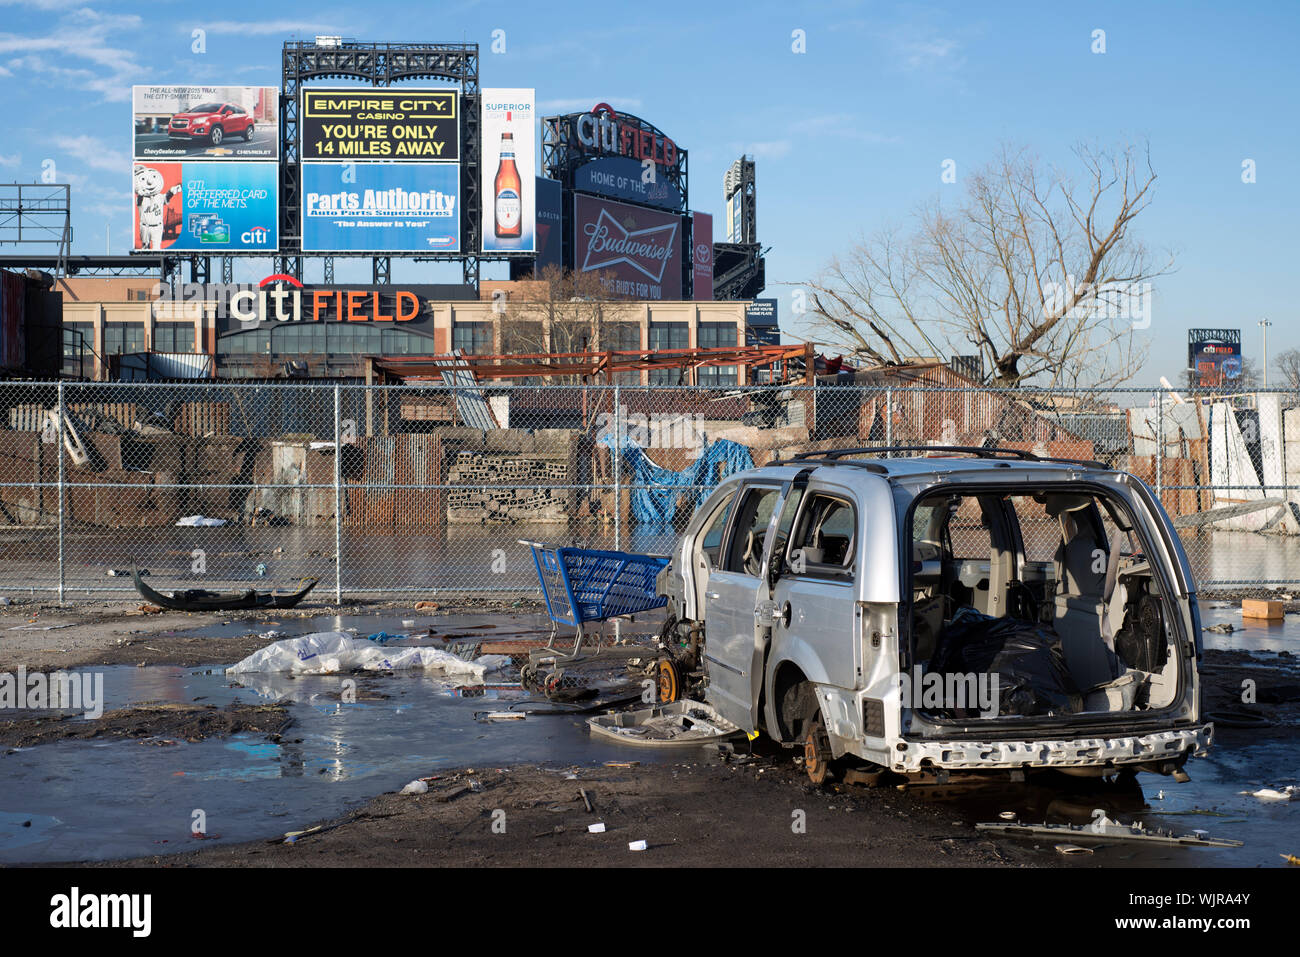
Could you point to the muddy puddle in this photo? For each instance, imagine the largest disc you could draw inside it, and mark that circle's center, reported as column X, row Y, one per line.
column 103, row 799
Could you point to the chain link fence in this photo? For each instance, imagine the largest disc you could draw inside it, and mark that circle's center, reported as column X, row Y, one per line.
column 420, row 491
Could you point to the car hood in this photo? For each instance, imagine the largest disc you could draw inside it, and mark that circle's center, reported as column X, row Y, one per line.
column 193, row 116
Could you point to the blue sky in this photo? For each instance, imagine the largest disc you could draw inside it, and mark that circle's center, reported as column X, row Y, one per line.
column 848, row 136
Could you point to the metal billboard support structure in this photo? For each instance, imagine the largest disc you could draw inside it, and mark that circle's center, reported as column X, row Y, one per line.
column 379, row 64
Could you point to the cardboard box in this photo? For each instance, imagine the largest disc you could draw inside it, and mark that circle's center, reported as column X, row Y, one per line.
column 1268, row 610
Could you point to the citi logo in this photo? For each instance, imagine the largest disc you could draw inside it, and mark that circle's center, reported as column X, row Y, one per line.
column 257, row 236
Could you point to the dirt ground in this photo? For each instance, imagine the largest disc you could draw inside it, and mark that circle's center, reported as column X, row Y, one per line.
column 760, row 813
column 739, row 810
column 45, row 637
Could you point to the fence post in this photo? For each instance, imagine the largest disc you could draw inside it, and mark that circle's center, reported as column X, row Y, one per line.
column 338, row 498
column 1160, row 447
column 58, row 450
column 889, row 416
column 618, row 471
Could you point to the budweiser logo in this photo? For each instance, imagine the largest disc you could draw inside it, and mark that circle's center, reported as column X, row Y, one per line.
column 647, row 251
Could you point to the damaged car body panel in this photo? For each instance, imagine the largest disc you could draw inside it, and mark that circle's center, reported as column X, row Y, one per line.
column 946, row 613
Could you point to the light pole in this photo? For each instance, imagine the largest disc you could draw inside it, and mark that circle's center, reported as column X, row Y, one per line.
column 1264, row 324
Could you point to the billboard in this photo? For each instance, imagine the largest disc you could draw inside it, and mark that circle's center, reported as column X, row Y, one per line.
column 550, row 223
column 1214, row 355
column 701, row 256
column 210, row 207
column 509, row 138
column 411, row 126
column 216, row 123
column 388, row 207
column 628, row 179
column 638, row 250
column 380, row 170
column 761, row 323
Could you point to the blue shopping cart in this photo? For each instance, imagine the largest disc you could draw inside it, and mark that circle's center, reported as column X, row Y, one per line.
column 583, row 585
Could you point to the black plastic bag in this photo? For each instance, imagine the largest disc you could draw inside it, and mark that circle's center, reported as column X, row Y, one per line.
column 1026, row 657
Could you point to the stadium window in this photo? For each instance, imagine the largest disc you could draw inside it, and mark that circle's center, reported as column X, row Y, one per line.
column 173, row 337
column 123, row 337
column 717, row 335
column 472, row 338
column 669, row 335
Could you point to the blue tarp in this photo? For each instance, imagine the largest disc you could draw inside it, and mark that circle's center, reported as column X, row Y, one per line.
column 657, row 503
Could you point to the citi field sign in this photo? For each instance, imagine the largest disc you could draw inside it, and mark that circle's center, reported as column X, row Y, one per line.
column 606, row 131
column 282, row 298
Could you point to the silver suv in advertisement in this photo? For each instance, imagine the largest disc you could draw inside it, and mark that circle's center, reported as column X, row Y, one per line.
column 944, row 610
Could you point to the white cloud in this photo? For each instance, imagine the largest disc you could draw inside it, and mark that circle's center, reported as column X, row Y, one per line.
column 13, row 160
column 576, row 104
column 94, row 152
column 842, row 125
column 257, row 28
column 85, row 37
column 767, row 149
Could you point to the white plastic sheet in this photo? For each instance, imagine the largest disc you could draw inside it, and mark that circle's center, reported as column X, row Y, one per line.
column 333, row 652
column 197, row 521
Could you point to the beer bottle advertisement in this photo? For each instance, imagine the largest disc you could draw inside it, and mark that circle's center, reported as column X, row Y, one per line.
column 509, row 138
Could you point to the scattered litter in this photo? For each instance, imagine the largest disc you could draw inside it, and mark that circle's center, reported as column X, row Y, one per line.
column 1103, row 828
column 636, row 845
column 680, row 724
column 1008, row 815
column 416, row 787
column 199, row 521
column 382, row 637
column 1290, row 858
column 1225, row 628
column 621, row 764
column 586, row 800
column 599, row 828
column 426, row 606
column 147, row 609
column 500, row 715
column 1273, row 794
column 493, row 662
column 125, row 572
column 332, row 652
column 408, row 622
column 1072, row 849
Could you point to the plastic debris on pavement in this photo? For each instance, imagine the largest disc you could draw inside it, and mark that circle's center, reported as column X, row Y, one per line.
column 333, row 652
column 1273, row 794
column 636, row 845
column 416, row 787
column 654, row 500
column 199, row 521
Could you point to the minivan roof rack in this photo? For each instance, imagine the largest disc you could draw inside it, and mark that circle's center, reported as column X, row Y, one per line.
column 834, row 456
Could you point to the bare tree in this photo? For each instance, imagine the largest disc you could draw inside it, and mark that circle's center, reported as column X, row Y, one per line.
column 560, row 312
column 1035, row 269
column 1288, row 364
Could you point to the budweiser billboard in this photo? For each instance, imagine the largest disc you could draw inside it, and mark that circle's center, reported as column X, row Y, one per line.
column 638, row 251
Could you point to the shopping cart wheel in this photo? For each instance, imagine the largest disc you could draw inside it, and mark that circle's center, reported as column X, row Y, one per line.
column 670, row 680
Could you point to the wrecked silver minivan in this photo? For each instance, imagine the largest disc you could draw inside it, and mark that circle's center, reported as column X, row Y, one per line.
column 968, row 609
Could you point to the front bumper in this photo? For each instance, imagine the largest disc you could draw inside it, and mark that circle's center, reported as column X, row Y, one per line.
column 1052, row 753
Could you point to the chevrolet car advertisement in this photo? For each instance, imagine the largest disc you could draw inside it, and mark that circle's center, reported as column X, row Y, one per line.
column 206, row 207
column 386, row 124
column 219, row 123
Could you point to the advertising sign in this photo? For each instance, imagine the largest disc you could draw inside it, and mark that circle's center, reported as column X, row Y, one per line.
column 702, row 246
column 218, row 123
column 1215, row 355
column 638, row 250
column 761, row 326
column 209, row 207
column 386, row 124
column 628, row 179
column 381, row 207
column 509, row 138
column 550, row 223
